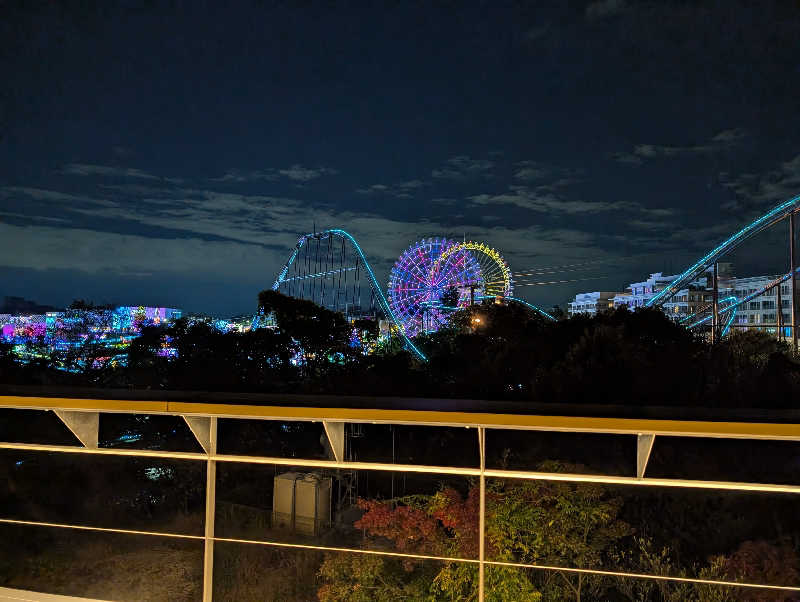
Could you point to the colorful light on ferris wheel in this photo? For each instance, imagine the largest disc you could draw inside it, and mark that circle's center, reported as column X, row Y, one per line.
column 419, row 282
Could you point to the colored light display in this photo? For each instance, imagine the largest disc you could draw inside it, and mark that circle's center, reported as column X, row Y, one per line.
column 495, row 275
column 70, row 329
column 420, row 280
column 383, row 303
column 751, row 229
column 535, row 308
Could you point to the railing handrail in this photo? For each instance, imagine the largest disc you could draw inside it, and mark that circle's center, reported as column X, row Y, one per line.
column 584, row 424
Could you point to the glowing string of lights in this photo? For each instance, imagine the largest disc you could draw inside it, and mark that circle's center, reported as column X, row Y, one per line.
column 758, row 293
column 526, row 304
column 496, row 261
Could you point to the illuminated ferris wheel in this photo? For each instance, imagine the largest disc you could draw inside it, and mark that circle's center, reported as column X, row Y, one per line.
column 424, row 290
column 495, row 275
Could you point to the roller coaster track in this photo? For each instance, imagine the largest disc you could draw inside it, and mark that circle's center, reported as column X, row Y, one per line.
column 535, row 308
column 383, row 303
column 739, row 302
column 755, row 227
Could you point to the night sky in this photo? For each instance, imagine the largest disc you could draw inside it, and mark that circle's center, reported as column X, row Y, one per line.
column 171, row 152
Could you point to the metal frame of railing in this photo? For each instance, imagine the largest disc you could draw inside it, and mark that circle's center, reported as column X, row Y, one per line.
column 81, row 416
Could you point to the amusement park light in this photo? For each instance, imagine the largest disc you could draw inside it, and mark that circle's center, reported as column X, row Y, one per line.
column 729, row 244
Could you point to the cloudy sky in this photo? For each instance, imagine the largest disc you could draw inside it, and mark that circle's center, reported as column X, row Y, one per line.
column 173, row 156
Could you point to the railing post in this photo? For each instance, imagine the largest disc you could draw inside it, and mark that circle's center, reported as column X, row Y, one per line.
column 482, row 515
column 211, row 495
column 779, row 315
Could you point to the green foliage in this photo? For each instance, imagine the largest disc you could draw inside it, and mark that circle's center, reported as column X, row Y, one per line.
column 368, row 578
column 318, row 332
column 532, row 522
column 555, row 523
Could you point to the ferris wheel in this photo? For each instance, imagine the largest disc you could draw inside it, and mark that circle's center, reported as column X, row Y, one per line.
column 423, row 290
column 495, row 275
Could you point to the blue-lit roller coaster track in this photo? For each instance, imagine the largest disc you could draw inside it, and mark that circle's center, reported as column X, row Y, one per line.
column 709, row 259
column 304, row 279
column 330, row 267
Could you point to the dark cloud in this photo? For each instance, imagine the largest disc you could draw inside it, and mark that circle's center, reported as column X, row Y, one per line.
column 463, row 167
column 605, row 8
column 402, row 190
column 723, row 141
column 296, row 173
column 84, row 169
column 758, row 190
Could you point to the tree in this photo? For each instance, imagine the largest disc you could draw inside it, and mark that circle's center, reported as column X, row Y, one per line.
column 530, row 522
column 8, row 362
column 556, row 523
column 322, row 335
column 763, row 563
column 368, row 578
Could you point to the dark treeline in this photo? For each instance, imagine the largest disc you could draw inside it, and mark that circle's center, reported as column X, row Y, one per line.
column 488, row 351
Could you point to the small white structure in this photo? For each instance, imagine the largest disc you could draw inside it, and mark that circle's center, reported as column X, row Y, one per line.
column 301, row 502
column 592, row 303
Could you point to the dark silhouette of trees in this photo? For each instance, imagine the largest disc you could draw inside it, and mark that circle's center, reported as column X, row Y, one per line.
column 490, row 351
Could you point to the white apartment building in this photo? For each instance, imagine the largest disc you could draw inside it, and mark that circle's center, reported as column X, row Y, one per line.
column 637, row 294
column 696, row 297
column 762, row 310
column 592, row 303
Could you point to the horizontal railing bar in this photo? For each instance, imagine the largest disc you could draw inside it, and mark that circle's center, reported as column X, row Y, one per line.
column 645, row 481
column 31, row 523
column 576, row 424
column 105, row 451
column 475, row 561
column 425, row 469
column 304, row 546
column 421, row 468
column 790, row 588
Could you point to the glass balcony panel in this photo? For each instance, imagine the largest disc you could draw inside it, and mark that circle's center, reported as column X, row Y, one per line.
column 275, row 574
column 34, row 426
column 422, row 445
column 100, row 565
column 678, row 532
column 146, row 431
column 588, row 452
column 522, row 583
column 147, row 494
column 739, row 460
column 273, row 439
column 418, row 513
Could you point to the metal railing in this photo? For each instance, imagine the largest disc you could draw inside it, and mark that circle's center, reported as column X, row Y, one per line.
column 81, row 416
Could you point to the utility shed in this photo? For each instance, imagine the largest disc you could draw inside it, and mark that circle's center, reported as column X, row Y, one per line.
column 301, row 502
column 312, row 504
column 283, row 493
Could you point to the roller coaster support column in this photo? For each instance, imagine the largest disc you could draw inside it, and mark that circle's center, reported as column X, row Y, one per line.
column 779, row 315
column 793, row 262
column 715, row 321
